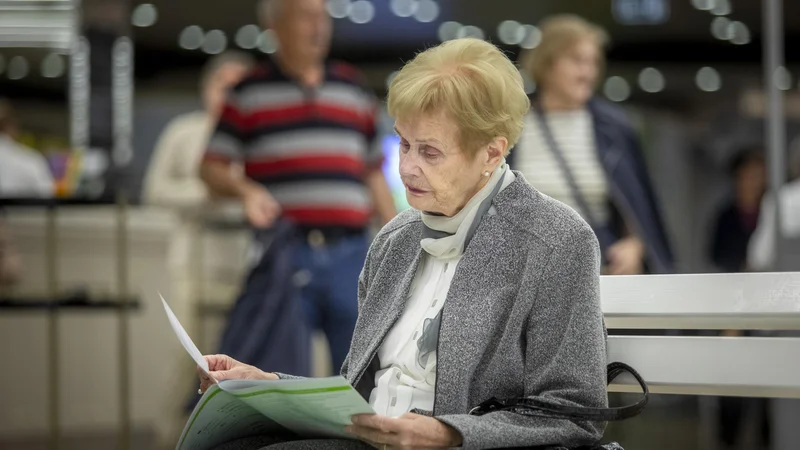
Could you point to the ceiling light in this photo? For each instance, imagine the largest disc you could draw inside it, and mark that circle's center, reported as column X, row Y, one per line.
column 721, row 28
column 361, row 11
column 722, row 8
column 403, row 8
column 215, row 42
column 52, row 66
column 267, row 42
column 511, row 32
column 449, row 30
column 144, row 15
column 191, row 38
column 651, row 80
column 533, row 37
column 617, row 89
column 708, row 80
column 17, row 68
column 471, row 31
column 783, row 78
column 704, row 5
column 338, row 8
column 740, row 34
column 247, row 36
column 427, row 11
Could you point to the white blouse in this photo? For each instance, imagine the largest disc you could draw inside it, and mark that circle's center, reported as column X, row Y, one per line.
column 408, row 377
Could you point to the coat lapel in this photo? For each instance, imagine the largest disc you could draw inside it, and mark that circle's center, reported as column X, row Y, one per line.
column 464, row 333
column 387, row 297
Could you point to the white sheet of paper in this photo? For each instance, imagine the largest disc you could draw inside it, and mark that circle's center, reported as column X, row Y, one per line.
column 184, row 338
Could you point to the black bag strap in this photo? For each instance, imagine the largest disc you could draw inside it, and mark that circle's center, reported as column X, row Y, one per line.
column 547, row 408
column 555, row 149
column 603, row 236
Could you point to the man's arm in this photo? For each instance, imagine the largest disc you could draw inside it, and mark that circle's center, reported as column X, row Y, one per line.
column 220, row 179
column 261, row 208
column 381, row 195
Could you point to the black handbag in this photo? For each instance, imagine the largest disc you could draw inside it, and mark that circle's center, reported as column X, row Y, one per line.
column 546, row 408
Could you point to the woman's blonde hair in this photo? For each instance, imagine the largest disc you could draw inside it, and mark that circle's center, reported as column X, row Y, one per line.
column 470, row 80
column 559, row 34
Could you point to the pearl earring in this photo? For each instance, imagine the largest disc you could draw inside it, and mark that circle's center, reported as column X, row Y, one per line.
column 486, row 174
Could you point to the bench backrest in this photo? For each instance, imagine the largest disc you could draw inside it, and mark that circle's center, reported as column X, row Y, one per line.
column 767, row 365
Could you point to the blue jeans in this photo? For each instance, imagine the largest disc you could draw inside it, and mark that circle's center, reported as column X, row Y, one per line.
column 327, row 277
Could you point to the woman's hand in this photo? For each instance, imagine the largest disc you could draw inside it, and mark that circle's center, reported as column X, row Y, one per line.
column 407, row 431
column 626, row 257
column 223, row 367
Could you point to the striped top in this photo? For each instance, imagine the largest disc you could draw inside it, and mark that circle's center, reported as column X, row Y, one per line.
column 574, row 133
column 310, row 147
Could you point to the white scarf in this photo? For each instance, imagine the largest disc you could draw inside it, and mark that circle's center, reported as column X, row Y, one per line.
column 451, row 234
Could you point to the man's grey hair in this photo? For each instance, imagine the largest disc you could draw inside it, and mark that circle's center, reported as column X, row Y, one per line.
column 216, row 62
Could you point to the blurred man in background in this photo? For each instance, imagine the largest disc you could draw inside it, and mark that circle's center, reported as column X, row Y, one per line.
column 734, row 225
column 24, row 172
column 305, row 129
column 738, row 218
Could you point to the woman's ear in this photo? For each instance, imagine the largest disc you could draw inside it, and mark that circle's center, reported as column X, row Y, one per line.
column 495, row 151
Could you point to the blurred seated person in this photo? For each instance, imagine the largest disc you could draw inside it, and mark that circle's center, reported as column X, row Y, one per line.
column 485, row 288
column 737, row 219
column 761, row 251
column 734, row 225
column 584, row 151
column 24, row 172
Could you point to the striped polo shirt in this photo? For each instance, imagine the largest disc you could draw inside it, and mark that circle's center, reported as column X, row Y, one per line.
column 310, row 147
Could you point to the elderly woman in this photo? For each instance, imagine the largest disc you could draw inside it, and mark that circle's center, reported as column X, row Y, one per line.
column 485, row 288
column 584, row 152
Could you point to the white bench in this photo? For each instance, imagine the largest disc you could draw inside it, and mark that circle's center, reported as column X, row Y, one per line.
column 699, row 365
column 767, row 366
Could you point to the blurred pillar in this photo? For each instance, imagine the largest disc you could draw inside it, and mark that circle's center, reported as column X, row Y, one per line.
column 775, row 117
column 102, row 95
column 101, row 104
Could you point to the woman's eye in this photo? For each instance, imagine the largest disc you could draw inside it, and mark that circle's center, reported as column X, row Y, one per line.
column 405, row 145
column 430, row 152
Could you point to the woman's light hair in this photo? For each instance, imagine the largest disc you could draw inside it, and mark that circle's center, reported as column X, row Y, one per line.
column 559, row 34
column 473, row 82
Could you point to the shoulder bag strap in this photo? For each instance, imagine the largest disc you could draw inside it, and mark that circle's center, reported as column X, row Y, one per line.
column 555, row 149
column 547, row 408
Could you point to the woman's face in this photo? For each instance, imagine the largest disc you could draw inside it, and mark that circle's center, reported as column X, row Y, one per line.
column 438, row 175
column 573, row 76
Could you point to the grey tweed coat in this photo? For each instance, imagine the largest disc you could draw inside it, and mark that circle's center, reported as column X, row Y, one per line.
column 522, row 318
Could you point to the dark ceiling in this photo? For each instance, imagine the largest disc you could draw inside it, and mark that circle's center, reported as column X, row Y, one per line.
column 685, row 36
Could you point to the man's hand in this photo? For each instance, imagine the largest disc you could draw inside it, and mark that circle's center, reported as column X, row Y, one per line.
column 223, row 367
column 406, row 432
column 261, row 208
column 626, row 257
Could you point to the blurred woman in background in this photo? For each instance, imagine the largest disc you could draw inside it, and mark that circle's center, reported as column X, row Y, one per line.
column 584, row 152
column 173, row 181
